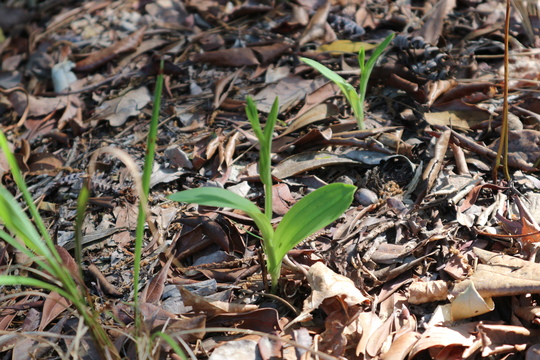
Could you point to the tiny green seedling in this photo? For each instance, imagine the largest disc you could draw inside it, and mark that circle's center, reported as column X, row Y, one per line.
column 313, row 212
column 356, row 100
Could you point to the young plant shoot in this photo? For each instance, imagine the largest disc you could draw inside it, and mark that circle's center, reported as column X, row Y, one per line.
column 312, row 213
column 355, row 99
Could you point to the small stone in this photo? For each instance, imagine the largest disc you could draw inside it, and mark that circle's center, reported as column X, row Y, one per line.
column 366, row 197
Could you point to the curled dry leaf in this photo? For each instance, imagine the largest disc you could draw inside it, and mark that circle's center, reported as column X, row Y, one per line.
column 501, row 275
column 499, row 339
column 469, row 303
column 456, row 339
column 118, row 110
column 317, row 25
column 327, row 284
column 426, row 292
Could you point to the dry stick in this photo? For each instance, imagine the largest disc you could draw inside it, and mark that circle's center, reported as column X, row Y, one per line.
column 502, row 153
column 459, row 157
column 107, row 287
column 431, row 173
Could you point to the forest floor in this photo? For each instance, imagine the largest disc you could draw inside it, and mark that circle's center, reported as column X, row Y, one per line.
column 435, row 258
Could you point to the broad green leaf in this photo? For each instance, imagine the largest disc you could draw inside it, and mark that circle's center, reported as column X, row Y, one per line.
column 211, row 196
column 312, row 213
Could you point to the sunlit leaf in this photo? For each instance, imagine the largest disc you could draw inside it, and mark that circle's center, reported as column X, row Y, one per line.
column 312, row 213
column 211, row 196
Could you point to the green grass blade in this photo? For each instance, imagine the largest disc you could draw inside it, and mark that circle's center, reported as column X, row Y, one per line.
column 12, row 280
column 147, row 173
column 22, row 248
column 346, row 88
column 21, row 184
column 378, row 52
column 177, row 349
column 315, row 211
column 253, row 117
column 16, row 221
column 368, row 68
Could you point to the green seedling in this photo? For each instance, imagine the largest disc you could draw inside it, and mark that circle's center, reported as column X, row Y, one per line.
column 355, row 99
column 315, row 211
column 34, row 241
column 32, row 238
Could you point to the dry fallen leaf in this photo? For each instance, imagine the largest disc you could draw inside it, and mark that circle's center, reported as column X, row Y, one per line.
column 98, row 58
column 327, row 284
column 118, row 110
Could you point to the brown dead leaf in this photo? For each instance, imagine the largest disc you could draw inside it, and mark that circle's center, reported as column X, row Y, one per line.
column 317, row 113
column 101, row 57
column 54, row 305
column 306, row 161
column 522, row 143
column 432, row 29
column 498, row 339
column 39, row 106
column 230, row 57
column 69, row 262
column 44, row 163
column 118, row 110
column 456, row 338
column 317, row 25
column 210, row 228
column 462, row 120
column 326, row 284
column 223, row 86
column 290, row 90
column 369, row 323
column 153, row 291
column 282, row 199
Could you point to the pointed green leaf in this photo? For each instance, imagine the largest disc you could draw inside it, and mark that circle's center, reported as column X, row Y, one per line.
column 16, row 220
column 12, row 280
column 346, row 88
column 312, row 213
column 253, row 116
column 378, row 51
